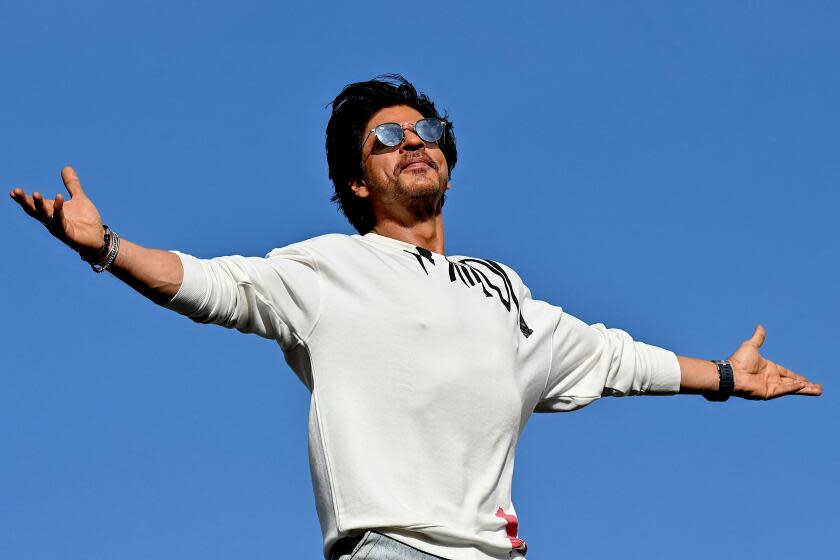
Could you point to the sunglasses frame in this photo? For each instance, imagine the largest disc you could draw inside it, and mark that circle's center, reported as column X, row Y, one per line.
column 410, row 126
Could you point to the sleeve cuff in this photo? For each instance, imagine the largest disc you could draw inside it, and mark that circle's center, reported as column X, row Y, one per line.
column 194, row 286
column 665, row 377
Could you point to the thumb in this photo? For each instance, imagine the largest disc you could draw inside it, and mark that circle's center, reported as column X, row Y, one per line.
column 757, row 339
column 71, row 181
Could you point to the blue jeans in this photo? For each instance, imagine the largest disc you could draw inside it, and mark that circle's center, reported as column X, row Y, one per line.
column 375, row 546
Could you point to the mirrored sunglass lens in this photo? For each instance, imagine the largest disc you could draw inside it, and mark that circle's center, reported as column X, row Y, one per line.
column 389, row 134
column 429, row 130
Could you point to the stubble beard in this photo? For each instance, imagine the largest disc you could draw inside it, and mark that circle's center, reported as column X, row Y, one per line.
column 416, row 191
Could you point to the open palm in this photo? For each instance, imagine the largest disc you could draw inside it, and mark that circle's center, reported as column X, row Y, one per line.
column 76, row 221
column 760, row 379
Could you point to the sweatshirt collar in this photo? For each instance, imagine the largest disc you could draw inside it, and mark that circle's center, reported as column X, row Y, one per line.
column 383, row 241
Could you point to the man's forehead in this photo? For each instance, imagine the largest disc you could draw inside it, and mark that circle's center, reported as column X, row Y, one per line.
column 398, row 113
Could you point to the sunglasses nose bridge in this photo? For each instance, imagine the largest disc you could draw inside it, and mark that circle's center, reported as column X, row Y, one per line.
column 410, row 136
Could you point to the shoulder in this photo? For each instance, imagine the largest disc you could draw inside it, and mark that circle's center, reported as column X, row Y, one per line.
column 322, row 244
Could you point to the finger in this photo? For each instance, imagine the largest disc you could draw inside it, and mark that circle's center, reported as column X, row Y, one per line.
column 757, row 339
column 789, row 382
column 58, row 211
column 810, row 389
column 25, row 202
column 786, row 373
column 787, row 387
column 71, row 181
column 41, row 209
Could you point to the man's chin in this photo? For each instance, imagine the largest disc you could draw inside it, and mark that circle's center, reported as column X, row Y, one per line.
column 423, row 192
column 421, row 185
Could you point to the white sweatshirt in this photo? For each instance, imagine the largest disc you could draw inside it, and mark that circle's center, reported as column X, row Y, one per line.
column 423, row 370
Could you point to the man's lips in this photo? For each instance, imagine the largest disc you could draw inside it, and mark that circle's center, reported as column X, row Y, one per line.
column 421, row 162
column 417, row 165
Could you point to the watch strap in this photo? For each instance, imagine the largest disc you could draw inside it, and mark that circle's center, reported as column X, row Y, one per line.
column 727, row 382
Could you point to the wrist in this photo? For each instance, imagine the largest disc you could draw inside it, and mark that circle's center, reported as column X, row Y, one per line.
column 736, row 377
column 100, row 252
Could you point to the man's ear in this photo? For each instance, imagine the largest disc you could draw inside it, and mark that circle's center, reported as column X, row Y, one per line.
column 359, row 188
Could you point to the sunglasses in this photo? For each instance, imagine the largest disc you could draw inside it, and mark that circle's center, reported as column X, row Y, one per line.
column 392, row 134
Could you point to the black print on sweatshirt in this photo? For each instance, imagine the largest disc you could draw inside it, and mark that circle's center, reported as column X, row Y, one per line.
column 421, row 252
column 479, row 272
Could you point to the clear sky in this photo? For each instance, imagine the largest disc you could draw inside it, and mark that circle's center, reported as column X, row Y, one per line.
column 668, row 168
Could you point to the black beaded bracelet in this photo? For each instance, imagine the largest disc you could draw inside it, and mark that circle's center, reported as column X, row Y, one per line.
column 106, row 256
column 727, row 382
column 103, row 252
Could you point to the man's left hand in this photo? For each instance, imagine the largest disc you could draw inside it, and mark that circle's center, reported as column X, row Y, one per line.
column 759, row 379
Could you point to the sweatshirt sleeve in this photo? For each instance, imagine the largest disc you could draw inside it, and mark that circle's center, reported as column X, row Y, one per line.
column 276, row 297
column 592, row 361
column 574, row 363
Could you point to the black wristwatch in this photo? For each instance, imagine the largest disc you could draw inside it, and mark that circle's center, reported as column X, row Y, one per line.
column 727, row 382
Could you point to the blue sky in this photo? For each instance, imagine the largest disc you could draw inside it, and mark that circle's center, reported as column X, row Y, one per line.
column 667, row 168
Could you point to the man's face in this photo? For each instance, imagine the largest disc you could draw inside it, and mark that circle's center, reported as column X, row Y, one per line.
column 402, row 176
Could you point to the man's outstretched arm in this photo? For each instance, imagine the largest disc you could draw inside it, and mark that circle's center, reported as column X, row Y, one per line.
column 155, row 273
column 756, row 378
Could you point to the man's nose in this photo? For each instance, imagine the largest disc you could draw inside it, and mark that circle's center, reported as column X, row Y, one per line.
column 411, row 141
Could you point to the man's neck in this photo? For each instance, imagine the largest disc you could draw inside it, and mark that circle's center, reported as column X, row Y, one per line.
column 427, row 234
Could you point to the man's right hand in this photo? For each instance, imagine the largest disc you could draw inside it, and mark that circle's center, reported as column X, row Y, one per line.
column 154, row 273
column 76, row 221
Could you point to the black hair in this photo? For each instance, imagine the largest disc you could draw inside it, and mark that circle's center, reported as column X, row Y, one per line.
column 351, row 111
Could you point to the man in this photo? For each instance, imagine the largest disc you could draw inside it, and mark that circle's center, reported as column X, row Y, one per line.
column 423, row 367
